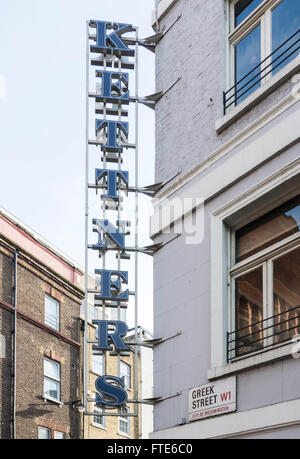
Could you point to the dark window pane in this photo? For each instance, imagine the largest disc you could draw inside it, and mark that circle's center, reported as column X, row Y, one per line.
column 285, row 23
column 249, row 307
column 287, row 296
column 247, row 57
column 243, row 8
column 269, row 229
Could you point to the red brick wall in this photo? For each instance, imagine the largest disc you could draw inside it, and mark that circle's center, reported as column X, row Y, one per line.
column 32, row 346
column 34, row 342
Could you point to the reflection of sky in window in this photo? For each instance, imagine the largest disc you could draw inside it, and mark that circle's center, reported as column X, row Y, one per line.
column 295, row 213
column 243, row 8
column 248, row 56
column 285, row 22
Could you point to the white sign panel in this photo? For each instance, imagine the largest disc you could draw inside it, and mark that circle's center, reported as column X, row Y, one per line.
column 212, row 400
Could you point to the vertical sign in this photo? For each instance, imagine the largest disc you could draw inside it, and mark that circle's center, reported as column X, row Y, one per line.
column 111, row 54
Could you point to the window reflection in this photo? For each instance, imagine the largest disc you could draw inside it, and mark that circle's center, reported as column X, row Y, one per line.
column 243, row 8
column 285, row 22
column 247, row 56
column 269, row 229
column 287, row 296
column 249, row 291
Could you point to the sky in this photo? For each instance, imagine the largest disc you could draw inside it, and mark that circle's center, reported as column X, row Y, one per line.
column 42, row 118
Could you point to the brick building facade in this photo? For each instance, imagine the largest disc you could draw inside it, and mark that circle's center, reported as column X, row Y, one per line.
column 112, row 427
column 118, row 427
column 47, row 369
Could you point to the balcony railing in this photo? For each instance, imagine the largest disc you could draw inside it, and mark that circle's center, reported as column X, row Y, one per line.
column 263, row 334
column 261, row 71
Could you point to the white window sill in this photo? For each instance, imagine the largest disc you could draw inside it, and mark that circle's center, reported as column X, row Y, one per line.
column 99, row 426
column 252, row 361
column 124, row 435
column 47, row 398
column 57, row 329
column 93, row 373
column 257, row 96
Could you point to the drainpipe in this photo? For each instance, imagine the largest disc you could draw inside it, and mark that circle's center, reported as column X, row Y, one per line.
column 15, row 343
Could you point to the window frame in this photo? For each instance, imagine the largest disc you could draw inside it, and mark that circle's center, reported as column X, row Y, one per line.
column 271, row 192
column 57, row 328
column 125, row 420
column 265, row 259
column 96, row 409
column 2, row 346
column 127, row 376
column 58, row 432
column 103, row 364
column 53, row 379
column 45, row 429
column 261, row 15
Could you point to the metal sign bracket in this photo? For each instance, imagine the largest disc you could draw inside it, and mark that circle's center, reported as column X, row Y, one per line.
column 151, row 343
column 155, row 400
column 151, row 42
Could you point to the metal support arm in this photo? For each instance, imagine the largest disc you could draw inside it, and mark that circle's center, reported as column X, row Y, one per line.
column 151, row 343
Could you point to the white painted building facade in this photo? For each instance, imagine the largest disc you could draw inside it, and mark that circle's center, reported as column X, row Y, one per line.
column 226, row 284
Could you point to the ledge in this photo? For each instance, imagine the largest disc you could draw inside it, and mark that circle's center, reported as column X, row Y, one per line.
column 125, row 435
column 98, row 426
column 38, row 324
column 47, row 398
column 257, row 420
column 251, row 155
column 257, row 96
column 253, row 361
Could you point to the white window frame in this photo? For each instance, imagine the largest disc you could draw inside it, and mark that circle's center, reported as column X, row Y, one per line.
column 2, row 347
column 126, row 375
column 221, row 263
column 56, row 380
column 57, row 434
column 96, row 410
column 118, row 314
column 126, row 420
column 46, row 430
column 55, row 322
column 261, row 15
column 94, row 364
column 265, row 260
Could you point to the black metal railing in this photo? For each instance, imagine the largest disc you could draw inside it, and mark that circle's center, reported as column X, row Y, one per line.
column 235, row 93
column 263, row 334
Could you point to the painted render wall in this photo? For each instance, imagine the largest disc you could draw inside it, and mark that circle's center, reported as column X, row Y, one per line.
column 185, row 135
column 281, row 434
column 194, row 49
column 182, row 303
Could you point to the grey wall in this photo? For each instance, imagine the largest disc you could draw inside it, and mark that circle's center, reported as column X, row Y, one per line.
column 185, row 135
column 194, row 49
column 290, row 433
column 182, row 303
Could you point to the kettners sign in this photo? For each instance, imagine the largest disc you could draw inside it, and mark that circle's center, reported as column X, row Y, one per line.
column 110, row 51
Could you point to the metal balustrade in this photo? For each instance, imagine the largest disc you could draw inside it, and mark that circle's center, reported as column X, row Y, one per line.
column 261, row 71
column 263, row 334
